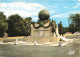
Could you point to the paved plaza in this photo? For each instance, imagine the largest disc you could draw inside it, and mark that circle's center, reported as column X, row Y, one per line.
column 9, row 50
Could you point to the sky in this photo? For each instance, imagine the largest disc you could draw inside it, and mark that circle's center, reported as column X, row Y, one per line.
column 59, row 9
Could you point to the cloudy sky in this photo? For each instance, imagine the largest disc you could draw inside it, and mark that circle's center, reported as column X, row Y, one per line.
column 59, row 9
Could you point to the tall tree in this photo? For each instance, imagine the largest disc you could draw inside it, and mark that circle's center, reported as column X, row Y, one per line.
column 3, row 24
column 74, row 22
column 16, row 25
column 27, row 22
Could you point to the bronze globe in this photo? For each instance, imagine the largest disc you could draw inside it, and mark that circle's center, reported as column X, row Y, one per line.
column 44, row 15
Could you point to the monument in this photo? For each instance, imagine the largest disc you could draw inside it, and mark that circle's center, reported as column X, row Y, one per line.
column 44, row 30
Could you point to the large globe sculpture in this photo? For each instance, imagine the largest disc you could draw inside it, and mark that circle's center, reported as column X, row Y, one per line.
column 44, row 15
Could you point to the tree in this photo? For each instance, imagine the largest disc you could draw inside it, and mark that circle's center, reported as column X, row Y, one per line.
column 3, row 24
column 60, row 27
column 66, row 29
column 16, row 25
column 74, row 22
column 27, row 22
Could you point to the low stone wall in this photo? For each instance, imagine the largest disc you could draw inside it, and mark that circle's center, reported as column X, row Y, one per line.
column 42, row 39
column 1, row 41
column 11, row 39
column 71, row 36
column 31, row 39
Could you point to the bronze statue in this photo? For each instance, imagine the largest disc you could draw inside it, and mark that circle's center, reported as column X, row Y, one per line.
column 54, row 26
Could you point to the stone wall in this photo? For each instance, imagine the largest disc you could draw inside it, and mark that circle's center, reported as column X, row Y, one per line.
column 42, row 39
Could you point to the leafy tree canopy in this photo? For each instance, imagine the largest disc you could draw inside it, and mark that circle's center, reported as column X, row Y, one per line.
column 27, row 23
column 74, row 22
column 3, row 24
column 16, row 25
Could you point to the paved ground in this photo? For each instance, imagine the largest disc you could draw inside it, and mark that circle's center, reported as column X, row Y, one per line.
column 40, row 51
